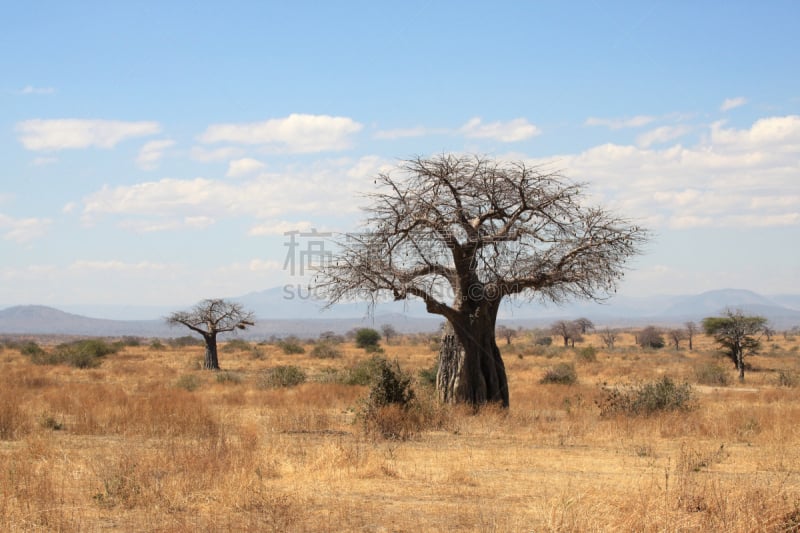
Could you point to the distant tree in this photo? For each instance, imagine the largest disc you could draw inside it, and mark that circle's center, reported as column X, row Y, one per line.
column 388, row 332
column 609, row 337
column 650, row 337
column 691, row 329
column 331, row 337
column 676, row 336
column 736, row 334
column 209, row 318
column 367, row 338
column 565, row 329
column 768, row 332
column 584, row 325
column 506, row 333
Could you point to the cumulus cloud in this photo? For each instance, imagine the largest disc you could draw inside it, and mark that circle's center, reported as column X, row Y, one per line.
column 324, row 188
column 620, row 123
column 204, row 155
column 151, row 153
column 405, row 133
column 662, row 135
column 732, row 103
column 243, row 167
column 165, row 223
column 732, row 178
column 297, row 133
column 63, row 134
column 515, row 130
column 23, row 230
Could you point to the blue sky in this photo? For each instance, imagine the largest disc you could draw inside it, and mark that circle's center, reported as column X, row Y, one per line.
column 156, row 153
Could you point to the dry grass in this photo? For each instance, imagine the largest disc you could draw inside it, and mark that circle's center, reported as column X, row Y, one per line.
column 126, row 447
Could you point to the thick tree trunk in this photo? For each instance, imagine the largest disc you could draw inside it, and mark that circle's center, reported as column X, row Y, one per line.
column 211, row 362
column 470, row 367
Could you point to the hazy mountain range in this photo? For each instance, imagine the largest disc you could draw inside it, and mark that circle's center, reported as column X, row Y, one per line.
column 291, row 310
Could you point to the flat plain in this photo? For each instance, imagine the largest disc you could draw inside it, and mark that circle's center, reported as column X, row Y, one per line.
column 147, row 441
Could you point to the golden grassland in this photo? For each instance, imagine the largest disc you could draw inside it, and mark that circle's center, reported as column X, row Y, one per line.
column 125, row 446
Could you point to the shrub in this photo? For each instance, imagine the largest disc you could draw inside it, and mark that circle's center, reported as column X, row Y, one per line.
column 282, row 376
column 562, row 373
column 387, row 410
column 543, row 340
column 325, row 350
column 31, row 349
column 291, row 346
column 157, row 345
column 711, row 374
column 367, row 338
column 186, row 340
column 237, row 345
column 650, row 337
column 188, row 382
column 587, row 354
column 644, row 400
column 80, row 354
column 427, row 376
column 364, row 372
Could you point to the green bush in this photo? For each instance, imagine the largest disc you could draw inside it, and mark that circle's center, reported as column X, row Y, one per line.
column 562, row 374
column 427, row 376
column 325, row 350
column 31, row 349
column 79, row 354
column 711, row 374
column 543, row 340
column 186, row 340
column 364, row 372
column 387, row 410
column 291, row 346
column 367, row 338
column 156, row 345
column 647, row 399
column 282, row 376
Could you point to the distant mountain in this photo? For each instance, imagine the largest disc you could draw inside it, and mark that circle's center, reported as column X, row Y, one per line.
column 42, row 320
column 290, row 310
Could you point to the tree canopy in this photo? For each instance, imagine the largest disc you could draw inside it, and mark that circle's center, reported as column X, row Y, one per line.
column 462, row 233
column 736, row 334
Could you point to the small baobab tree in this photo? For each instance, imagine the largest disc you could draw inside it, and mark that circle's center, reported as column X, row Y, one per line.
column 691, row 329
column 609, row 337
column 506, row 333
column 462, row 234
column 584, row 325
column 209, row 318
column 676, row 335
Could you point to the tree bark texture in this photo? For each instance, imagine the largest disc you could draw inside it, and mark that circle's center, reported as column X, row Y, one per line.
column 211, row 361
column 470, row 367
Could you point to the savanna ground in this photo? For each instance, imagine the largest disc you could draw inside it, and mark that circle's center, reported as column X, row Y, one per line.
column 149, row 442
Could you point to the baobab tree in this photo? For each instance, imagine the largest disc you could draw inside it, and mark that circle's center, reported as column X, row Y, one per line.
column 462, row 234
column 210, row 318
column 566, row 329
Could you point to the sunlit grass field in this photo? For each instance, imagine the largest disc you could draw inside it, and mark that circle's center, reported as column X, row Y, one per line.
column 149, row 442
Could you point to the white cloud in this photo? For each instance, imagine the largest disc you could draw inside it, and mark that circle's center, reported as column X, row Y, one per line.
column 661, row 135
column 515, row 130
column 151, row 153
column 733, row 178
column 30, row 89
column 168, row 224
column 296, row 133
column 619, row 123
column 404, row 133
column 23, row 230
column 732, row 103
column 325, row 188
column 243, row 167
column 62, row 134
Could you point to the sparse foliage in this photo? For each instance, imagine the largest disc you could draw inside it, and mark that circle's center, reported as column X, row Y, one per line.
column 209, row 318
column 388, row 332
column 567, row 330
column 461, row 234
column 676, row 335
column 647, row 399
column 506, row 333
column 561, row 374
column 609, row 337
column 691, row 329
column 736, row 334
column 584, row 325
